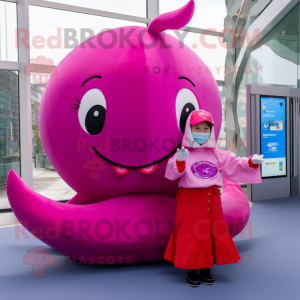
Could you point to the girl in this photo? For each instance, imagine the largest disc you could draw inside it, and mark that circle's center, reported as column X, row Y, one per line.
column 200, row 237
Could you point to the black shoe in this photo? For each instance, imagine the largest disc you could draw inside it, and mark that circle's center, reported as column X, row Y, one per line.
column 207, row 276
column 193, row 278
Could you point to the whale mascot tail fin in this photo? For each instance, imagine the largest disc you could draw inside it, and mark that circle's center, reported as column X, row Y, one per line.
column 235, row 206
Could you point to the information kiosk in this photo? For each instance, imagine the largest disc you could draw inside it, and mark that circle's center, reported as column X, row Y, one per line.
column 273, row 130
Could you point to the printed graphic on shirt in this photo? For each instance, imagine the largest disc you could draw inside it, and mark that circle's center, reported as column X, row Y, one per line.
column 204, row 169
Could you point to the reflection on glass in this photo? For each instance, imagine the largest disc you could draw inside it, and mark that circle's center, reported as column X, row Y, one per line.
column 62, row 36
column 45, row 180
column 209, row 48
column 208, row 14
column 9, row 130
column 8, row 25
column 273, row 64
column 222, row 137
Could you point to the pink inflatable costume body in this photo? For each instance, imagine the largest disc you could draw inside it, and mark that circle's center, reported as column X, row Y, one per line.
column 110, row 119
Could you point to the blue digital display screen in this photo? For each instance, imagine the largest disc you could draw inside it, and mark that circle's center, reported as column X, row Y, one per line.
column 273, row 136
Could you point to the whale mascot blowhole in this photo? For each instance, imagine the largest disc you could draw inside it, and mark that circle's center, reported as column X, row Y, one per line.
column 109, row 121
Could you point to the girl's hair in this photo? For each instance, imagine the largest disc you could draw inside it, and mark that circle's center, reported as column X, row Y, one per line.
column 209, row 124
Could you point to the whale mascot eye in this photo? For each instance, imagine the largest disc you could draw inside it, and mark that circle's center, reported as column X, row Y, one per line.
column 186, row 102
column 92, row 111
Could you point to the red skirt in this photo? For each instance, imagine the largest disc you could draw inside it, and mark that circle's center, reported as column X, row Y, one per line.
column 200, row 237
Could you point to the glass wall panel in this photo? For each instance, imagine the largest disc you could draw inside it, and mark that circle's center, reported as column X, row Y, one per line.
column 9, row 130
column 8, row 25
column 222, row 137
column 62, row 36
column 209, row 48
column 127, row 7
column 208, row 14
column 273, row 64
column 46, row 180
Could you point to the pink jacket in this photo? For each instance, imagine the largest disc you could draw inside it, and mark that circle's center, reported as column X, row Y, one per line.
column 206, row 161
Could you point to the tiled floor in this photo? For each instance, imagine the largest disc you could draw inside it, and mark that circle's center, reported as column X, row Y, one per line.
column 268, row 269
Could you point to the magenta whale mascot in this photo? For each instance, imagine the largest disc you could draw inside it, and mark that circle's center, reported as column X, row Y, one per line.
column 109, row 120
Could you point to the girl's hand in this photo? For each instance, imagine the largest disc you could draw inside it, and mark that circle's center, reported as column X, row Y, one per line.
column 182, row 154
column 257, row 159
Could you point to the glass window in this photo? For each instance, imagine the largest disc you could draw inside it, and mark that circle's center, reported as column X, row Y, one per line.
column 127, row 7
column 57, row 35
column 8, row 25
column 274, row 64
column 222, row 136
column 209, row 48
column 208, row 14
column 46, row 181
column 9, row 130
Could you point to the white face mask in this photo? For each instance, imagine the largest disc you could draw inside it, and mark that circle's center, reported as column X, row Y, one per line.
column 200, row 137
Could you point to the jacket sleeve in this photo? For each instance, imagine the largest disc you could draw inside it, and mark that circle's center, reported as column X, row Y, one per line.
column 237, row 168
column 172, row 172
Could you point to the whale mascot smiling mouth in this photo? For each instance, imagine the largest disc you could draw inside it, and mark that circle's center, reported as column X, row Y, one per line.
column 109, row 121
